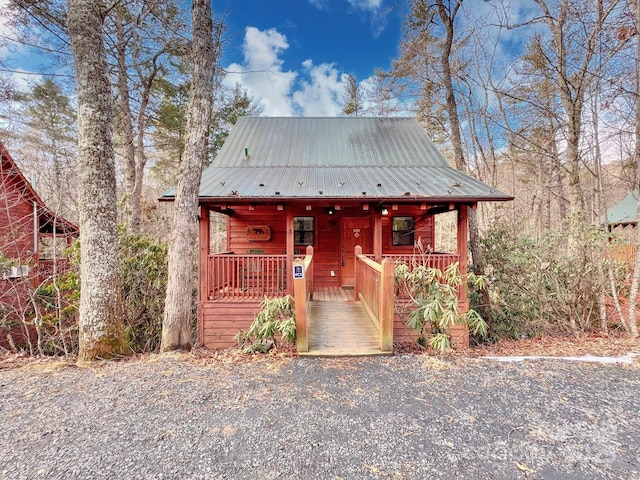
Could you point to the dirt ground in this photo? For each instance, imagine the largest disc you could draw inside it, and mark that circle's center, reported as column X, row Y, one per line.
column 207, row 415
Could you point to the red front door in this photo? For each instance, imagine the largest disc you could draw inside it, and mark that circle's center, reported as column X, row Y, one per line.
column 355, row 231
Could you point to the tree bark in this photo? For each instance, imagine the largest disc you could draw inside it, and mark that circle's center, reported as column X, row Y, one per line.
column 101, row 330
column 447, row 16
column 635, row 281
column 124, row 125
column 176, row 327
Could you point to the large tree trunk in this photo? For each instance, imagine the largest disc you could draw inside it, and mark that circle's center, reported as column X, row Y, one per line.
column 101, row 330
column 447, row 16
column 124, row 121
column 635, row 281
column 176, row 327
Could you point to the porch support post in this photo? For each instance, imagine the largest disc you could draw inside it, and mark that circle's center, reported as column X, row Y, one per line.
column 303, row 293
column 300, row 309
column 463, row 234
column 205, row 242
column 385, row 305
column 356, row 286
column 203, row 267
column 377, row 236
column 290, row 249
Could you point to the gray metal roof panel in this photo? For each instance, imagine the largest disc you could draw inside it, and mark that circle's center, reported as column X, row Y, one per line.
column 343, row 182
column 300, row 157
column 625, row 211
column 342, row 141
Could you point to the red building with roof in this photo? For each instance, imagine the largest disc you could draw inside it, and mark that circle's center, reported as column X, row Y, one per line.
column 286, row 184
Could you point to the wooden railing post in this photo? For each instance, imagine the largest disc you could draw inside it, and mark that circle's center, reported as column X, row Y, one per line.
column 463, row 233
column 385, row 308
column 300, row 296
column 203, row 270
column 356, row 287
column 309, row 273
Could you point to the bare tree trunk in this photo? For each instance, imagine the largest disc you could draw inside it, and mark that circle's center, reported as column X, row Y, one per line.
column 101, row 330
column 124, row 123
column 176, row 327
column 635, row 281
column 601, row 213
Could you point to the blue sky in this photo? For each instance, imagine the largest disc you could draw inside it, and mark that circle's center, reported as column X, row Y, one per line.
column 291, row 54
column 294, row 54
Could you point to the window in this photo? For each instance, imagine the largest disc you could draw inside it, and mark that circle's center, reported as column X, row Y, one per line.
column 52, row 247
column 403, row 231
column 303, row 230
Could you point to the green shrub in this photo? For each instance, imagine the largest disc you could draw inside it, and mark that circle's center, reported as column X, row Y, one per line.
column 276, row 318
column 143, row 273
column 546, row 285
column 432, row 301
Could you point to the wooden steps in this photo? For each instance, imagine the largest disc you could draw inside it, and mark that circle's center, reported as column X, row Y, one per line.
column 339, row 326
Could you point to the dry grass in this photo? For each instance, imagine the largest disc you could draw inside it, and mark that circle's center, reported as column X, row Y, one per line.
column 615, row 344
column 561, row 346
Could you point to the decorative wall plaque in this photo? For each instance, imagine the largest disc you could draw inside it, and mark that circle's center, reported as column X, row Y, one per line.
column 258, row 233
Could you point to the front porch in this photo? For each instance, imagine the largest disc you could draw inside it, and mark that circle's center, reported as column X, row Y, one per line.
column 330, row 320
column 340, row 326
column 355, row 246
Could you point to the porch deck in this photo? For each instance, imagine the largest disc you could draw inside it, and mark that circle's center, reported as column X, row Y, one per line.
column 339, row 326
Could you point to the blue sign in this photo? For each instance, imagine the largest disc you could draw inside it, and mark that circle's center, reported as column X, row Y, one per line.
column 298, row 271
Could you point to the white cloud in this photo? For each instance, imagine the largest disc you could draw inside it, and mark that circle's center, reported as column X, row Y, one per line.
column 371, row 5
column 262, row 71
column 319, row 4
column 315, row 90
column 321, row 95
column 370, row 11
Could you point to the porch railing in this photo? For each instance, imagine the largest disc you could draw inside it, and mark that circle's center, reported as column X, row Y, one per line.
column 48, row 268
column 432, row 260
column 374, row 289
column 232, row 276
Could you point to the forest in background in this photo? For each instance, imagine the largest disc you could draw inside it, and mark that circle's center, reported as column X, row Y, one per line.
column 552, row 121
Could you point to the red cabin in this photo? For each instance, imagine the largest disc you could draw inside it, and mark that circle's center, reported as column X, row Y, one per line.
column 282, row 185
column 32, row 237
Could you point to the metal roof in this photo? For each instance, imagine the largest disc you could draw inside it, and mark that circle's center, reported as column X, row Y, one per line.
column 271, row 158
column 625, row 212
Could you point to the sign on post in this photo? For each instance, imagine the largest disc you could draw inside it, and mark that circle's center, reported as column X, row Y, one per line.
column 298, row 271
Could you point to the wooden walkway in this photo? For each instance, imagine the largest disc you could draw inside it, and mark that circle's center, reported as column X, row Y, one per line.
column 339, row 326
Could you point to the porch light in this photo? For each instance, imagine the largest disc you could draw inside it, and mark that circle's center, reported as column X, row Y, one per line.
column 330, row 211
column 384, row 211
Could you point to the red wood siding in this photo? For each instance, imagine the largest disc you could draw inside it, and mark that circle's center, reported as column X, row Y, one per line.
column 221, row 321
column 261, row 216
column 327, row 235
column 16, row 222
column 424, row 229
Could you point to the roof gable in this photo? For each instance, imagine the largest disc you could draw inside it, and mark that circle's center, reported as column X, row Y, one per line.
column 12, row 177
column 624, row 212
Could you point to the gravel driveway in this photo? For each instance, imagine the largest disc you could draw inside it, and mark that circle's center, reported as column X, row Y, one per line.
column 401, row 417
